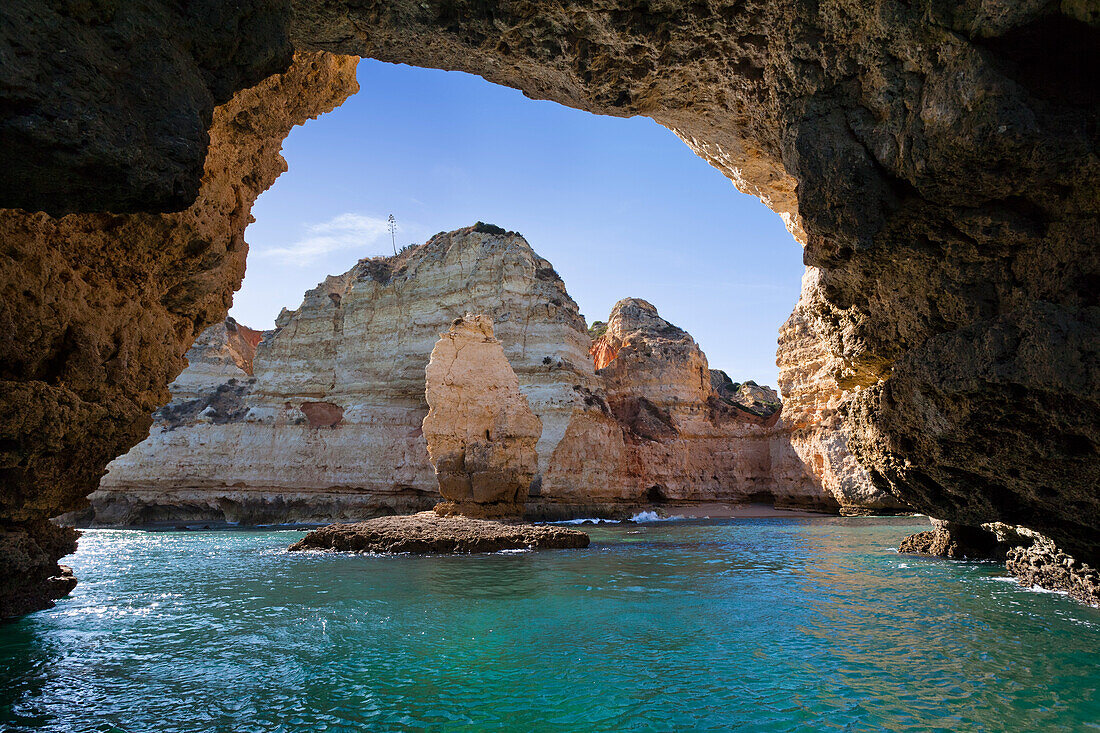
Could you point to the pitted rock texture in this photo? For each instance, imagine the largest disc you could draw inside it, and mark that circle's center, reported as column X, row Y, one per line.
column 813, row 405
column 430, row 534
column 685, row 440
column 30, row 578
column 97, row 310
column 480, row 431
column 1034, row 559
column 1042, row 564
column 329, row 425
column 960, row 542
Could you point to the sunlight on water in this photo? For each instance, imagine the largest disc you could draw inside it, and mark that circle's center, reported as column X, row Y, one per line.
column 757, row 624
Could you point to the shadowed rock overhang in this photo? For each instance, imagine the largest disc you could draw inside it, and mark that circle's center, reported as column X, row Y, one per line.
column 938, row 160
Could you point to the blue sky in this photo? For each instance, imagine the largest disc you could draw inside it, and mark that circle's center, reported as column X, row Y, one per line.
column 621, row 207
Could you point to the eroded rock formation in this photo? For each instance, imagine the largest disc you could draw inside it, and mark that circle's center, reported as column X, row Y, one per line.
column 813, row 404
column 1034, row 559
column 97, row 310
column 326, row 425
column 31, row 578
column 960, row 542
column 939, row 161
column 329, row 425
column 480, row 431
column 1042, row 564
column 685, row 440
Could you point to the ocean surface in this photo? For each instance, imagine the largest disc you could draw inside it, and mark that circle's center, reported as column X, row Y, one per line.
column 743, row 624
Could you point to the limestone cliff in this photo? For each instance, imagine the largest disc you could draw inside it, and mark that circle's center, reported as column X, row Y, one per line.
column 328, row 427
column 328, row 424
column 684, row 441
column 480, row 431
column 813, row 405
column 939, row 161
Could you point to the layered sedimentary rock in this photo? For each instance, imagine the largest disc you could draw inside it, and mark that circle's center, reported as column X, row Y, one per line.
column 813, row 405
column 430, row 533
column 684, row 440
column 97, row 310
column 328, row 424
column 480, row 431
column 938, row 160
column 328, row 427
column 222, row 352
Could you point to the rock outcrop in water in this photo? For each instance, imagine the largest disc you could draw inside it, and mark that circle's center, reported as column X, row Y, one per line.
column 1042, row 564
column 430, row 533
column 31, row 577
column 1034, row 559
column 480, row 431
column 327, row 423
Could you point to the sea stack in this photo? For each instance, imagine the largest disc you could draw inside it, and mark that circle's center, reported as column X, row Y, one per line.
column 481, row 437
column 480, row 430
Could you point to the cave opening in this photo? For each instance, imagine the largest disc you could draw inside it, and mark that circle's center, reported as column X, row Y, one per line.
column 620, row 207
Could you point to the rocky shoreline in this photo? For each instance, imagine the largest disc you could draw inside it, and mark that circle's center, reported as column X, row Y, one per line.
column 430, row 533
column 1032, row 558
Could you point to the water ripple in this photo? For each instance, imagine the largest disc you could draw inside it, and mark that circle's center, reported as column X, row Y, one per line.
column 755, row 624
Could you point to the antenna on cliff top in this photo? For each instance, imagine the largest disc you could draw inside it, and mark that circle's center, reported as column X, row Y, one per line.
column 392, row 224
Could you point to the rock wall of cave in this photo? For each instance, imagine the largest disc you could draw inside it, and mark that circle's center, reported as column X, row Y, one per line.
column 97, row 309
column 939, row 161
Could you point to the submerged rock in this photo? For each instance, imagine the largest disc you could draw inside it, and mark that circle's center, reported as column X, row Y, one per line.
column 430, row 533
column 480, row 430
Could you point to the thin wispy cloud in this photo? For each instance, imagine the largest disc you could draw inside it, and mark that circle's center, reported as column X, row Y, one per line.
column 343, row 232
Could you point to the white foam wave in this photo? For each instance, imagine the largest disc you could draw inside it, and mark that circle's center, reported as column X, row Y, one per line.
column 653, row 517
column 1032, row 588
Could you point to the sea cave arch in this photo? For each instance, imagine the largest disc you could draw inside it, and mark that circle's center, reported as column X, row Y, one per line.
column 946, row 190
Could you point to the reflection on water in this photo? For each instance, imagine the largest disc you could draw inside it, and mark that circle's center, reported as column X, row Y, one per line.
column 763, row 624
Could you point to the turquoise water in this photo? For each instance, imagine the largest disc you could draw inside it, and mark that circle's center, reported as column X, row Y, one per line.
column 754, row 624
